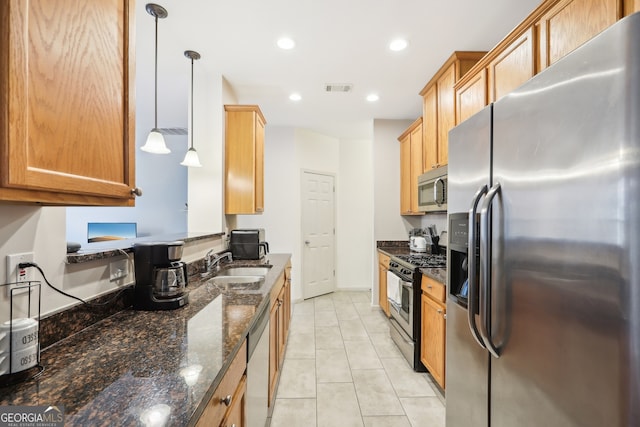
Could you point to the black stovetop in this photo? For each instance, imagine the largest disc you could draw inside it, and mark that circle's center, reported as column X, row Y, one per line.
column 423, row 260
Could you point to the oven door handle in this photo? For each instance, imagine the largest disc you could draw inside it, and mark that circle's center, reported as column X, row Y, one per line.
column 395, row 306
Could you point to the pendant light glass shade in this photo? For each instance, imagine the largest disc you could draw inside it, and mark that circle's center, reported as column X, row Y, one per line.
column 155, row 141
column 191, row 158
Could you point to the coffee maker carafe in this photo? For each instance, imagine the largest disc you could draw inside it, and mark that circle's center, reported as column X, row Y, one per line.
column 161, row 278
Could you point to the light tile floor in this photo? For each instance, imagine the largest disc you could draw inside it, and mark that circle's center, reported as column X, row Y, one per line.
column 342, row 369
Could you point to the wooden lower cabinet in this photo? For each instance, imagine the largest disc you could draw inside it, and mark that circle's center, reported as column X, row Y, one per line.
column 235, row 414
column 383, row 267
column 226, row 406
column 433, row 330
column 274, row 366
column 279, row 319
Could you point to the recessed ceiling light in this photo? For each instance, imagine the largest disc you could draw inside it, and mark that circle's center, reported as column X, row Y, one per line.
column 295, row 97
column 398, row 45
column 372, row 97
column 286, row 43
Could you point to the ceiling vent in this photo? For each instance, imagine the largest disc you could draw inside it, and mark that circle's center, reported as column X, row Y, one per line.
column 338, row 87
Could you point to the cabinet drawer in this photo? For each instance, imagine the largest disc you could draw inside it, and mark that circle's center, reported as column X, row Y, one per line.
column 433, row 288
column 216, row 408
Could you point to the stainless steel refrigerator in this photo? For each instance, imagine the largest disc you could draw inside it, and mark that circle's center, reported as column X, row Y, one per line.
column 543, row 315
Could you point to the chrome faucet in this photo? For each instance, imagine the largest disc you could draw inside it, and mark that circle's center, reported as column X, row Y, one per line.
column 212, row 259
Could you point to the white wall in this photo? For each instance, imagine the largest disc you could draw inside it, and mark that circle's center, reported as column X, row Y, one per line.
column 290, row 151
column 281, row 217
column 388, row 224
column 42, row 231
column 355, row 215
column 206, row 184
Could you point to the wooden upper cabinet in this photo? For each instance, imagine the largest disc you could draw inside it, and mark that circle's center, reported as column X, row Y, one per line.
column 244, row 159
column 430, row 128
column 570, row 23
column 631, row 6
column 439, row 107
column 446, row 112
column 410, row 167
column 67, row 81
column 512, row 67
column 471, row 97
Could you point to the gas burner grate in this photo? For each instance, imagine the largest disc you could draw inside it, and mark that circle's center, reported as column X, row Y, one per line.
column 425, row 260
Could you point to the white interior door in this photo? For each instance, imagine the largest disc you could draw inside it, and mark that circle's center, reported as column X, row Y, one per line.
column 318, row 234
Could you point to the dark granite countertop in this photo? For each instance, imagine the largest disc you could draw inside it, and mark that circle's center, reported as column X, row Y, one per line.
column 110, row 249
column 439, row 274
column 134, row 361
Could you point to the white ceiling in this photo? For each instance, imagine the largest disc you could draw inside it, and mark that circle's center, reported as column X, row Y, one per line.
column 336, row 42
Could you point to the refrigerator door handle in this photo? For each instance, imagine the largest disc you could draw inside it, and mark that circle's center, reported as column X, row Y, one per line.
column 472, row 273
column 485, row 263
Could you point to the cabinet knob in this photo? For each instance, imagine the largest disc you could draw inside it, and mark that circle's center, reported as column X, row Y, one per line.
column 226, row 400
column 136, row 191
column 430, row 287
column 439, row 311
column 445, row 316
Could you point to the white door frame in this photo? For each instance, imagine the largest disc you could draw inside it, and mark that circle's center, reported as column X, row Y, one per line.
column 302, row 236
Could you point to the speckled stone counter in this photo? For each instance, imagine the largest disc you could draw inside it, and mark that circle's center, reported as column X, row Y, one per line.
column 110, row 249
column 397, row 248
column 112, row 372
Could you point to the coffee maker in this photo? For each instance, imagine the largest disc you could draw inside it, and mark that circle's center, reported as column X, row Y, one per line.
column 161, row 278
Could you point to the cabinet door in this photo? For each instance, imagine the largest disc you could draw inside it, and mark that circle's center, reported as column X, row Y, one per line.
column 631, row 6
column 382, row 288
column 235, row 412
column 68, row 71
column 259, row 178
column 405, row 175
column 432, row 347
column 446, row 113
column 274, row 366
column 472, row 97
column 430, row 129
column 244, row 159
column 281, row 327
column 416, row 166
column 570, row 23
column 514, row 66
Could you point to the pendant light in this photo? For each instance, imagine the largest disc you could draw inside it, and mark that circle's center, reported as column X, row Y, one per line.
column 191, row 158
column 155, row 141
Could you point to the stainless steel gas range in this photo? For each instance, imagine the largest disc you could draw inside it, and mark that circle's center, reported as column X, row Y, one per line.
column 403, row 291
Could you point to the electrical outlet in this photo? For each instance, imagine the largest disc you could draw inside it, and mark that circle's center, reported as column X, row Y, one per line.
column 118, row 269
column 16, row 274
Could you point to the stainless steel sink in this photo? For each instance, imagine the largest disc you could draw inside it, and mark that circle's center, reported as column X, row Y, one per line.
column 244, row 271
column 236, row 280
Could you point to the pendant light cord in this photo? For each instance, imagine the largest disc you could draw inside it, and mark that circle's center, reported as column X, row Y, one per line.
column 191, row 103
column 155, row 124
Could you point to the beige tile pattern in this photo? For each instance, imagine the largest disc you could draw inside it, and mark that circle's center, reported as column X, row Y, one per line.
column 342, row 369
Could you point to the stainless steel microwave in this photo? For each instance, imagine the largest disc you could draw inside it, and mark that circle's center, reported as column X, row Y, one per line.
column 432, row 190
